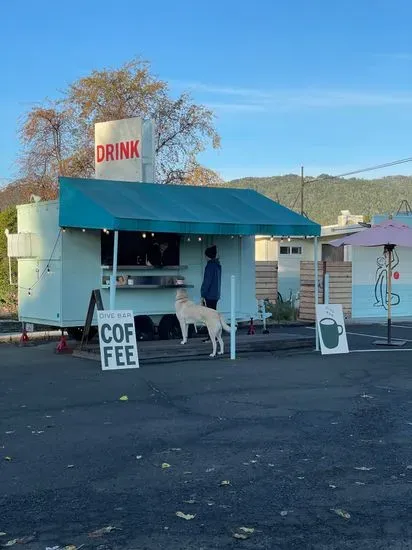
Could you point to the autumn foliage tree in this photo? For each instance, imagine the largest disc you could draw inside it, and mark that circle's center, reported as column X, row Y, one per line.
column 58, row 137
column 200, row 175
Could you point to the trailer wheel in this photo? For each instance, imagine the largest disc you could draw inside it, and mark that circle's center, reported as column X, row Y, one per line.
column 144, row 327
column 169, row 328
column 76, row 333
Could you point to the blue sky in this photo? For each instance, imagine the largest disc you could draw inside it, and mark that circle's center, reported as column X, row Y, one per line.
column 313, row 82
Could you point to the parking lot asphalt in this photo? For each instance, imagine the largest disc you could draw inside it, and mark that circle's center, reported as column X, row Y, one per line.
column 363, row 336
column 300, row 451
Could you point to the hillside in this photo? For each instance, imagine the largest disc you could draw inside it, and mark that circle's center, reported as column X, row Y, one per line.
column 325, row 199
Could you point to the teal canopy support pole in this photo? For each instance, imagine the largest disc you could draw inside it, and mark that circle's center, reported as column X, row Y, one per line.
column 232, row 317
column 326, row 289
column 113, row 278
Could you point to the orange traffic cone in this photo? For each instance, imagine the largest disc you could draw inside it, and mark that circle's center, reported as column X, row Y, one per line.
column 251, row 327
column 62, row 346
column 24, row 339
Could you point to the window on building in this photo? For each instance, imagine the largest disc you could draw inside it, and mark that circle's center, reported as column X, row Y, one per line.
column 296, row 250
column 284, row 250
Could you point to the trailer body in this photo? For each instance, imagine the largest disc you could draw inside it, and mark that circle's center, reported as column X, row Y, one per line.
column 63, row 266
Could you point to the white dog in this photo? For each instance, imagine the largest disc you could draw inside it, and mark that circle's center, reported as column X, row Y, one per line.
column 189, row 313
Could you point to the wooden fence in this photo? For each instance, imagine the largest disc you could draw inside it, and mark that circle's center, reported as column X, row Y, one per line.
column 340, row 287
column 267, row 280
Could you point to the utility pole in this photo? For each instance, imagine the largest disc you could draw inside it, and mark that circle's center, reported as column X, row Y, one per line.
column 302, row 183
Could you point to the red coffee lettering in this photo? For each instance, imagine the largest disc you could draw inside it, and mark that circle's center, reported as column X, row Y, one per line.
column 100, row 153
column 109, row 152
column 134, row 151
column 124, row 150
column 116, row 155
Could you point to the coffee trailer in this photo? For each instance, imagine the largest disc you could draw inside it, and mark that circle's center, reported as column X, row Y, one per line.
column 137, row 243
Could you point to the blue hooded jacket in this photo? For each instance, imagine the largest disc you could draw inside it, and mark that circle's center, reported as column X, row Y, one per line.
column 212, row 280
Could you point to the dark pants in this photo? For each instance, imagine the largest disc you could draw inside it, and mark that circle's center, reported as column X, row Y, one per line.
column 212, row 304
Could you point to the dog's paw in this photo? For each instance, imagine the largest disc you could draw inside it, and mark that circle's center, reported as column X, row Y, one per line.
column 220, row 352
column 212, row 355
column 183, row 342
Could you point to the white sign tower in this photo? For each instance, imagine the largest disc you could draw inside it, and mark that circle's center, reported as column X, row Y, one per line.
column 124, row 150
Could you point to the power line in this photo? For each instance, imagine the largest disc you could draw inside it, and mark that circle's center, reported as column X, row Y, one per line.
column 352, row 173
column 361, row 170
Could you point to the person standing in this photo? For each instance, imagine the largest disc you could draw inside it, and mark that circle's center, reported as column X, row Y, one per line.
column 210, row 290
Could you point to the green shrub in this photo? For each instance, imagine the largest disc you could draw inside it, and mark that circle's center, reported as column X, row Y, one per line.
column 281, row 311
column 8, row 293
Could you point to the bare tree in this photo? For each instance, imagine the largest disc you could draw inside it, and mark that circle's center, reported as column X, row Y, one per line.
column 46, row 137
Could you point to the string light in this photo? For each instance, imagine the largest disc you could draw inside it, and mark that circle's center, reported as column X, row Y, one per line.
column 29, row 290
column 188, row 239
column 288, row 239
column 144, row 235
column 84, row 231
column 153, row 234
column 200, row 239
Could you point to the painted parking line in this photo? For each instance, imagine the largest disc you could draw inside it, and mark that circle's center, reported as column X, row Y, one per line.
column 378, row 350
column 374, row 350
column 369, row 335
column 377, row 337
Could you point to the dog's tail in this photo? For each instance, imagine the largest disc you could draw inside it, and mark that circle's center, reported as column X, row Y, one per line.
column 225, row 326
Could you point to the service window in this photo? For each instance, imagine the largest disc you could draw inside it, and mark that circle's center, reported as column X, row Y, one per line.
column 296, row 250
column 139, row 248
column 284, row 250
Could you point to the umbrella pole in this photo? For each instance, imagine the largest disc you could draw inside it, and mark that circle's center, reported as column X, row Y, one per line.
column 389, row 342
column 389, row 286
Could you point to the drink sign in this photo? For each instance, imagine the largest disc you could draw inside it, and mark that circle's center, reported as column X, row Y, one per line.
column 117, row 338
column 331, row 329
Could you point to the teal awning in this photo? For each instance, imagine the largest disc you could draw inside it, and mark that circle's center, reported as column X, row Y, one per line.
column 183, row 209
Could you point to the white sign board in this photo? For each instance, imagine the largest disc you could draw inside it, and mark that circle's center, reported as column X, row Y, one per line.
column 331, row 329
column 117, row 337
column 118, row 150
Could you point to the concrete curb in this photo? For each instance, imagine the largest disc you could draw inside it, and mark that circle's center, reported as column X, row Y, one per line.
column 14, row 338
column 190, row 354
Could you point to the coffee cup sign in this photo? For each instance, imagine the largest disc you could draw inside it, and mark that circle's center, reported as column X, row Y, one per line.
column 117, row 338
column 331, row 329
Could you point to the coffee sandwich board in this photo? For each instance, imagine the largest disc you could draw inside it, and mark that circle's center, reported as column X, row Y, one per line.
column 331, row 329
column 117, row 338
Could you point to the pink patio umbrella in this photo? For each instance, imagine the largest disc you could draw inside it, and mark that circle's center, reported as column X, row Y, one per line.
column 387, row 234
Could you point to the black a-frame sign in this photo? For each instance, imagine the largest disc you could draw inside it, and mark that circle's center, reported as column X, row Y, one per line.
column 95, row 302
